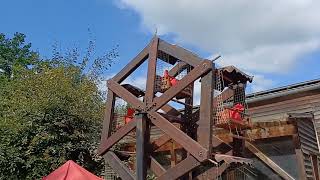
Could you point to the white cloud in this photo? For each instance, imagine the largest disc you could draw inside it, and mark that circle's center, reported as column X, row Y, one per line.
column 276, row 58
column 264, row 36
column 260, row 83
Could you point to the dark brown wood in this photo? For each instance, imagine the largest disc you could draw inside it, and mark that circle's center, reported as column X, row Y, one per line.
column 180, row 137
column 160, row 141
column 197, row 72
column 152, row 63
column 180, row 169
column 108, row 116
column 156, row 167
column 180, row 53
column 118, row 166
column 132, row 66
column 141, row 151
column 125, row 95
column 204, row 131
column 118, row 135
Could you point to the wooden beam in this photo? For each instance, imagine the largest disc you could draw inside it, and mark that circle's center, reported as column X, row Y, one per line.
column 125, row 95
column 180, row 169
column 151, row 76
column 180, row 53
column 261, row 132
column 265, row 159
column 180, row 137
column 160, row 141
column 108, row 116
column 182, row 84
column 118, row 166
column 204, row 130
column 170, row 110
column 107, row 143
column 133, row 65
column 178, row 68
column 156, row 167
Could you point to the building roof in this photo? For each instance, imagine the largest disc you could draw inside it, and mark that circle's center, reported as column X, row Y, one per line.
column 298, row 89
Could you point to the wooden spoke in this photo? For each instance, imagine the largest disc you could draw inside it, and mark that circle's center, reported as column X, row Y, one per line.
column 119, row 134
column 180, row 53
column 156, row 167
column 180, row 137
column 108, row 116
column 180, row 169
column 183, row 83
column 132, row 66
column 125, row 95
column 160, row 141
column 118, row 166
column 152, row 63
column 178, row 68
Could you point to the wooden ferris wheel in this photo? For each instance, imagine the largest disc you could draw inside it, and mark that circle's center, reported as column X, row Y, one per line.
column 222, row 105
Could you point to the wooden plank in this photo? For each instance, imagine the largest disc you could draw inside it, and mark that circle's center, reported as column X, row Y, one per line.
column 180, row 169
column 151, row 75
column 133, row 65
column 118, row 166
column 180, row 137
column 268, row 161
column 180, row 53
column 125, row 95
column 204, row 130
column 197, row 72
column 262, row 133
column 156, row 167
column 107, row 143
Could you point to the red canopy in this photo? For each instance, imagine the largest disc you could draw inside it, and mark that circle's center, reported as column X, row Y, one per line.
column 71, row 171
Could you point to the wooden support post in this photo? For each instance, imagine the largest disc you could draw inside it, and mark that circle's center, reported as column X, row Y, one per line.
column 142, row 133
column 204, row 131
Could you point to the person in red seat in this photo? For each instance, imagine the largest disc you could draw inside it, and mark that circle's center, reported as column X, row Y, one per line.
column 129, row 116
column 173, row 80
column 235, row 112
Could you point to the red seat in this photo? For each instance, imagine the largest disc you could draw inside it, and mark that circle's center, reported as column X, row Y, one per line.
column 129, row 116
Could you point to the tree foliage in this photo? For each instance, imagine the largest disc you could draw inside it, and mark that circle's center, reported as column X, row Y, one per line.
column 49, row 113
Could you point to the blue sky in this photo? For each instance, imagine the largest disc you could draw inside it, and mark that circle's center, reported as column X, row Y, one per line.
column 278, row 48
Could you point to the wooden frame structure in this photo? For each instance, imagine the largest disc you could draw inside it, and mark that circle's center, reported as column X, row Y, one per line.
column 195, row 135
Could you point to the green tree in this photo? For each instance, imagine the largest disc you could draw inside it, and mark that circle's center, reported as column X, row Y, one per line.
column 51, row 113
column 15, row 54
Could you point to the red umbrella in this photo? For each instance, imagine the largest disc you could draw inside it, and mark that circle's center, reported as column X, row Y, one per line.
column 71, row 171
